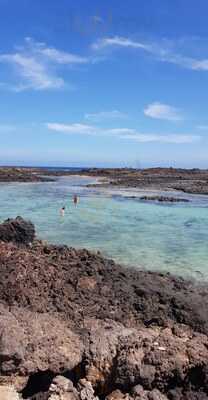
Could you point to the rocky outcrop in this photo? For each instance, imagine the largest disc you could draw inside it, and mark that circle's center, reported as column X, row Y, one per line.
column 185, row 180
column 27, row 340
column 76, row 326
column 79, row 284
column 117, row 363
column 17, row 230
column 15, row 174
column 161, row 358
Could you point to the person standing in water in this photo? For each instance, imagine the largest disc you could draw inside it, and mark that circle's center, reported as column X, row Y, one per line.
column 62, row 211
column 75, row 199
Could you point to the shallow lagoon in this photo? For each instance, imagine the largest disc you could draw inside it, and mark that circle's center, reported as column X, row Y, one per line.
column 149, row 235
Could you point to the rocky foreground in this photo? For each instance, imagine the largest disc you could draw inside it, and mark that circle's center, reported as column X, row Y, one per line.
column 76, row 326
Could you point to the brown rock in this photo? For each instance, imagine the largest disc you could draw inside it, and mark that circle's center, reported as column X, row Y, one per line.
column 121, row 357
column 115, row 395
column 87, row 283
column 156, row 395
column 8, row 393
column 86, row 390
column 62, row 389
column 32, row 342
column 80, row 285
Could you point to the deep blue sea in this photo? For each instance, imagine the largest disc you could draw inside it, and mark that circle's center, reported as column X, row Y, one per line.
column 164, row 237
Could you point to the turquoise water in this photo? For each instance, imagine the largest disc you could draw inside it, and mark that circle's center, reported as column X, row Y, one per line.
column 158, row 237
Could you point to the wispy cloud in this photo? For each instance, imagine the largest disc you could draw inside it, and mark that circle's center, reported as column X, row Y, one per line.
column 120, row 42
column 122, row 133
column 72, row 128
column 105, row 115
column 60, row 57
column 162, row 111
column 169, row 138
column 36, row 65
column 160, row 51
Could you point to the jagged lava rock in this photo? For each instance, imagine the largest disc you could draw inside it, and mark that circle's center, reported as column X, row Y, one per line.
column 74, row 313
column 17, row 230
column 120, row 357
column 79, row 284
column 32, row 342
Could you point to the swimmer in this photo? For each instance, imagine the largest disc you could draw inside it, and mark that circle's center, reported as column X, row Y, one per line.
column 62, row 211
column 75, row 200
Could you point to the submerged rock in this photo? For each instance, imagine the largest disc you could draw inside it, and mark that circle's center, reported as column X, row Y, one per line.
column 166, row 199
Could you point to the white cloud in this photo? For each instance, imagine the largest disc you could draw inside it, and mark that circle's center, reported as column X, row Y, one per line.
column 161, row 52
column 73, row 128
column 102, row 115
column 62, row 57
column 34, row 74
column 162, row 111
column 185, row 62
column 36, row 65
column 169, row 138
column 122, row 133
column 200, row 65
column 120, row 42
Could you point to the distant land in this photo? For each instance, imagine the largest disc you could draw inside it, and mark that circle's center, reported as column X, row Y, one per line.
column 186, row 180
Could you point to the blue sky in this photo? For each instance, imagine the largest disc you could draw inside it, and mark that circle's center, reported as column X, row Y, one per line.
column 116, row 84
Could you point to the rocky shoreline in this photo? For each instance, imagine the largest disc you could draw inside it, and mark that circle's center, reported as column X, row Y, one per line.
column 14, row 174
column 77, row 326
column 193, row 181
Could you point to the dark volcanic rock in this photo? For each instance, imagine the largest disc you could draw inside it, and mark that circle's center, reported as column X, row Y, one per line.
column 15, row 174
column 17, row 230
column 77, row 326
column 80, row 284
column 185, row 180
column 122, row 357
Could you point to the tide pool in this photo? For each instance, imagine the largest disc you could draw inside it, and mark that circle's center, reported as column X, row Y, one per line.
column 162, row 237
